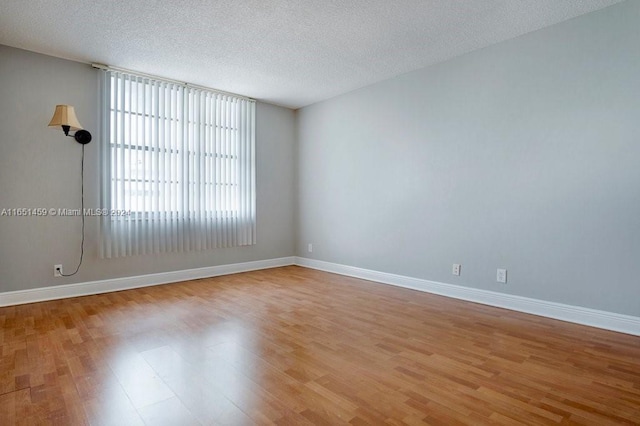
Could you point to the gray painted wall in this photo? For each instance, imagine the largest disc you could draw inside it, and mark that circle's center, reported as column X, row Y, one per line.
column 524, row 155
column 39, row 167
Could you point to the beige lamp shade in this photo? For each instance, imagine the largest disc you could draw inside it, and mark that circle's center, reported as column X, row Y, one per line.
column 65, row 115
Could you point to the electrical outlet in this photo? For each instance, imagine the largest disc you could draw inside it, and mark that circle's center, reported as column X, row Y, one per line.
column 57, row 271
column 310, row 248
column 501, row 276
column 456, row 269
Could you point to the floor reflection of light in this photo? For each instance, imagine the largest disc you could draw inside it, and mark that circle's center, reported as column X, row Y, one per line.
column 113, row 406
column 229, row 363
column 142, row 383
column 205, row 361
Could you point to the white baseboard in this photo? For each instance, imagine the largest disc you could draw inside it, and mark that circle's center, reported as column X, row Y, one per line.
column 104, row 286
column 575, row 314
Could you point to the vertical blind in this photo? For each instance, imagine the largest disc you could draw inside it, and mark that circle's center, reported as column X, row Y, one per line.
column 178, row 167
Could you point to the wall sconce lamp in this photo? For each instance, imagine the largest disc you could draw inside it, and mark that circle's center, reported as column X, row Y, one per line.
column 65, row 117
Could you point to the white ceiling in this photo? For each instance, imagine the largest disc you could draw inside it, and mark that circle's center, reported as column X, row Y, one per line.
column 288, row 52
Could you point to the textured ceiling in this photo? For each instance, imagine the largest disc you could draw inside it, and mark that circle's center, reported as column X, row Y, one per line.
column 288, row 52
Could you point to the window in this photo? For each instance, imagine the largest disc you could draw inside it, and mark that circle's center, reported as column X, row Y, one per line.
column 178, row 168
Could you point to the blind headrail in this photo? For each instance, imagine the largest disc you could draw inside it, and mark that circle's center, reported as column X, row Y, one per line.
column 168, row 80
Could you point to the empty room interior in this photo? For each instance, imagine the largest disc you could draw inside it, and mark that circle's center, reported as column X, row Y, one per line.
column 319, row 213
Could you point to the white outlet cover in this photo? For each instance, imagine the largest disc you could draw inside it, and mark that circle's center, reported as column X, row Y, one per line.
column 456, row 269
column 501, row 276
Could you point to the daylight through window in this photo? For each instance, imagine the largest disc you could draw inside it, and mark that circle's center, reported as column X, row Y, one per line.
column 178, row 167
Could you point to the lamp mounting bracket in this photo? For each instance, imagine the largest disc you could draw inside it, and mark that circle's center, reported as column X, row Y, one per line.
column 82, row 136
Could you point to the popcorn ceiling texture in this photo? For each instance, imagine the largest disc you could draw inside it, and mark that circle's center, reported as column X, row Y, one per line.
column 288, row 52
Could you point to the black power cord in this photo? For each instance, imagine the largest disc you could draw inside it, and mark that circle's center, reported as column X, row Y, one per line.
column 82, row 212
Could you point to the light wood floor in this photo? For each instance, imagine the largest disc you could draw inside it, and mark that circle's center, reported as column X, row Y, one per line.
column 293, row 346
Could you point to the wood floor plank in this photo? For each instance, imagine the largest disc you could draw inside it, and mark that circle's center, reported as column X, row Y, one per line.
column 294, row 346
